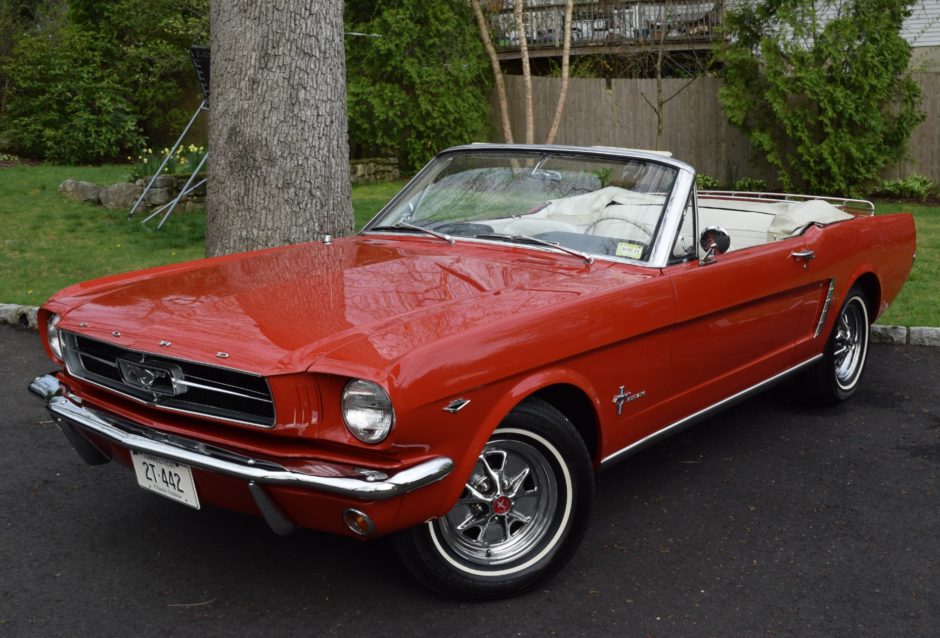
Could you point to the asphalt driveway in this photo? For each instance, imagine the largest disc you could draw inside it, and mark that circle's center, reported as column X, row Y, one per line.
column 774, row 518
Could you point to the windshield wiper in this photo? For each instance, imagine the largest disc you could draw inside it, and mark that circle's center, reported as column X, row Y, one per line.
column 406, row 227
column 528, row 239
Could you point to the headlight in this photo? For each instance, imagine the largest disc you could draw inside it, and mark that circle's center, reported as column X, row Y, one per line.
column 52, row 336
column 367, row 411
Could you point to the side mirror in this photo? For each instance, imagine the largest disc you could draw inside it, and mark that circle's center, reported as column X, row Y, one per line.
column 714, row 240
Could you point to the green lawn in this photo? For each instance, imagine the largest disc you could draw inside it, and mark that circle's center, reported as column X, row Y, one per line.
column 369, row 198
column 48, row 242
column 919, row 301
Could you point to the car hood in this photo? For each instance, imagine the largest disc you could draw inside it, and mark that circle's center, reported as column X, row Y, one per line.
column 367, row 301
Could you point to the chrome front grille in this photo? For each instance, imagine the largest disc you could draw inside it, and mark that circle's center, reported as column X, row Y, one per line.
column 174, row 384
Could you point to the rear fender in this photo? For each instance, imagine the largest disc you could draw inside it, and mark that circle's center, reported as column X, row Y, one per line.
column 872, row 287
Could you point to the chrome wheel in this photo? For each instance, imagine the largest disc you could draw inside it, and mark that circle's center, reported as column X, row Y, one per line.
column 836, row 376
column 850, row 342
column 506, row 507
column 520, row 514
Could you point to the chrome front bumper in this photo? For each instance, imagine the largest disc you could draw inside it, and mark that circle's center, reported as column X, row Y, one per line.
column 73, row 418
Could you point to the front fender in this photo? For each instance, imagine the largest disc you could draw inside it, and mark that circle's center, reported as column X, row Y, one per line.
column 477, row 426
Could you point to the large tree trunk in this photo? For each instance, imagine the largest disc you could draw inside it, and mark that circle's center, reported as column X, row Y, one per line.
column 277, row 129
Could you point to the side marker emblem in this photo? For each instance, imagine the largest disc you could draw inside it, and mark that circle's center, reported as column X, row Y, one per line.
column 456, row 405
column 625, row 396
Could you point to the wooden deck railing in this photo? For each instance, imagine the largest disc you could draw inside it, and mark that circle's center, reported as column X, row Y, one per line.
column 608, row 23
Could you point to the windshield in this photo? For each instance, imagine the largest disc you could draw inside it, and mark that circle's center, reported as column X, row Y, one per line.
column 603, row 206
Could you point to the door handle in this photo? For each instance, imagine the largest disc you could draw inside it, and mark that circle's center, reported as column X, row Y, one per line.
column 805, row 255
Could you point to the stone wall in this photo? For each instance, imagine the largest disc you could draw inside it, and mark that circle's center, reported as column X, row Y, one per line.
column 123, row 195
column 167, row 187
column 365, row 171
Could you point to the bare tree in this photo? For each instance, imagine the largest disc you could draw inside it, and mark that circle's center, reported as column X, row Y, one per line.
column 280, row 156
column 517, row 7
column 518, row 10
column 497, row 70
column 565, row 71
column 661, row 55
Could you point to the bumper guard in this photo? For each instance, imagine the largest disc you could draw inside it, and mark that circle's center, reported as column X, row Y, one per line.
column 73, row 418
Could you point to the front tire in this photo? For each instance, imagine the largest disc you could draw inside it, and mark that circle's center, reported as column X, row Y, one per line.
column 520, row 517
column 836, row 377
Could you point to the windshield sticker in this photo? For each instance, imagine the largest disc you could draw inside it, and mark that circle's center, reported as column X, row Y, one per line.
column 630, row 250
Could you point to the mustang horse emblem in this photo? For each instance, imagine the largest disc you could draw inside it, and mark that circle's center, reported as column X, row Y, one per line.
column 161, row 380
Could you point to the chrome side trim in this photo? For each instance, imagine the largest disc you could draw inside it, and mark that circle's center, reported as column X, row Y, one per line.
column 67, row 409
column 681, row 424
column 825, row 310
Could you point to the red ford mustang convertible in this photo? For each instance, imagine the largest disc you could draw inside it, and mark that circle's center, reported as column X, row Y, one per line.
column 517, row 318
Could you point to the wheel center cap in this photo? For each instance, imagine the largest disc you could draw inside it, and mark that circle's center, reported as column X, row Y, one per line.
column 501, row 505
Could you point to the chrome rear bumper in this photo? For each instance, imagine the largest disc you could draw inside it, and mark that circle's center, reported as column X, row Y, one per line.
column 74, row 418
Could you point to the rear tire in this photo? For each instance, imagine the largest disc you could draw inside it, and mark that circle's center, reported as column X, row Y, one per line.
column 836, row 377
column 520, row 518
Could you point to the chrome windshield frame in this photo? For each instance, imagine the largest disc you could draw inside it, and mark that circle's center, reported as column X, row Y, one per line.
column 666, row 232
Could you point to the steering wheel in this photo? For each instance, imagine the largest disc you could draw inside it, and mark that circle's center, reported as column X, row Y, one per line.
column 590, row 229
column 461, row 229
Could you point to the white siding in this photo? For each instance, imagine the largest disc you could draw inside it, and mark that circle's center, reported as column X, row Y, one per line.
column 922, row 29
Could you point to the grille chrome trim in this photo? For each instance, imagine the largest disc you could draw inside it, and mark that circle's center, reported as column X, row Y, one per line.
column 202, row 386
column 216, row 392
column 80, row 419
column 113, row 364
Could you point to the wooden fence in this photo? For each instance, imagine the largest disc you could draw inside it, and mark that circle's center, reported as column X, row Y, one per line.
column 695, row 130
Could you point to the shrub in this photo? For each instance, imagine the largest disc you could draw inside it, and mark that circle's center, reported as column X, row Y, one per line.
column 750, row 184
column 66, row 107
column 822, row 87
column 421, row 86
column 81, row 79
column 705, row 182
column 148, row 44
column 913, row 187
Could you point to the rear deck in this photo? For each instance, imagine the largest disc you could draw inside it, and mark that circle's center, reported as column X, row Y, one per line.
column 607, row 26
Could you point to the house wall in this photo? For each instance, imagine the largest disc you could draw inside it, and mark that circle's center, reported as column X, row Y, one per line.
column 922, row 28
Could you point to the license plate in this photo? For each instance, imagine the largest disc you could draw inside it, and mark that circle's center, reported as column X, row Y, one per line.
column 166, row 478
